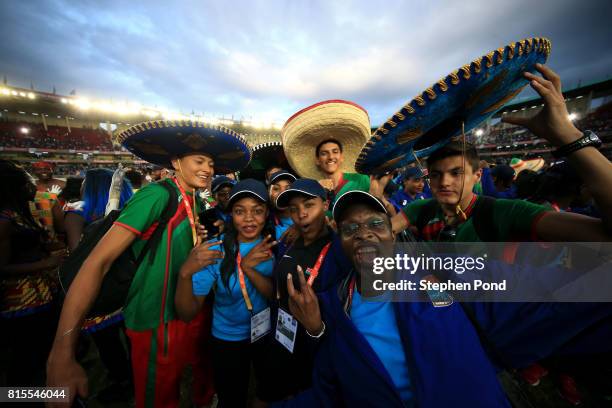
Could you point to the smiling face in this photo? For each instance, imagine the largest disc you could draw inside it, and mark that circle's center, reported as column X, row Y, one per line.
column 445, row 179
column 194, row 170
column 414, row 185
column 308, row 214
column 330, row 158
column 249, row 218
column 364, row 232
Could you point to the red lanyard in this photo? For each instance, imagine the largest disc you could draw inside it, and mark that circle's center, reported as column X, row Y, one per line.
column 351, row 289
column 314, row 271
column 243, row 288
column 190, row 216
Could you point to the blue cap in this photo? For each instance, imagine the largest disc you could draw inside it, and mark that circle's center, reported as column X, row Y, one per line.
column 281, row 175
column 356, row 197
column 221, row 181
column 248, row 187
column 412, row 172
column 307, row 187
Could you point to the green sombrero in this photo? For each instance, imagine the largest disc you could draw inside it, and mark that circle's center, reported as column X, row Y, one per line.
column 462, row 99
column 160, row 141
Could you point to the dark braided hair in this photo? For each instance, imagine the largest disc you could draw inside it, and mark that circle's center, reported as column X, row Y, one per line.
column 16, row 191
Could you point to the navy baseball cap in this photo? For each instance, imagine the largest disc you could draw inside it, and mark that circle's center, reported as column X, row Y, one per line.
column 307, row 187
column 248, row 187
column 356, row 197
column 221, row 181
column 412, row 172
column 281, row 175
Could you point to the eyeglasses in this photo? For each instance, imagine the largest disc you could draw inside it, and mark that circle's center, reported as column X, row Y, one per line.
column 447, row 234
column 376, row 225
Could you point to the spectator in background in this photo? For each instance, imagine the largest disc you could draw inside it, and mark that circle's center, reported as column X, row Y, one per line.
column 497, row 182
column 28, row 271
column 221, row 187
column 526, row 183
column 135, row 178
column 413, row 183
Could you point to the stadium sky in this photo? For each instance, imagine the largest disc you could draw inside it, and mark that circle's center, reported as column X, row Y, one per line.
column 266, row 59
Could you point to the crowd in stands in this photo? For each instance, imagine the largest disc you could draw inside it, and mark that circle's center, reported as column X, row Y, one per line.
column 599, row 121
column 28, row 135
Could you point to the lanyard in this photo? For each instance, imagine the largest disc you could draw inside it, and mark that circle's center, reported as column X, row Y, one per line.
column 351, row 289
column 243, row 288
column 190, row 216
column 314, row 272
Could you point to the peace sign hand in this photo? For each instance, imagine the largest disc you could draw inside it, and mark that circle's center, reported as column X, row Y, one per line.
column 199, row 257
column 304, row 305
column 258, row 254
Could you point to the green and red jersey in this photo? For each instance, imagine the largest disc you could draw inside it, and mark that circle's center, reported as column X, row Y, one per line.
column 150, row 301
column 513, row 220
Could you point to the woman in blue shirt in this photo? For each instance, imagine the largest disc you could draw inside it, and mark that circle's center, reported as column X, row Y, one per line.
column 242, row 286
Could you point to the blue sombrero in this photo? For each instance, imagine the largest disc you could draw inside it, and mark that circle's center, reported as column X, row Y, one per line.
column 265, row 155
column 467, row 96
column 160, row 141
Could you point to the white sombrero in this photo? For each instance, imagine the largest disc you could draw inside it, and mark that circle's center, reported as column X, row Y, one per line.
column 344, row 121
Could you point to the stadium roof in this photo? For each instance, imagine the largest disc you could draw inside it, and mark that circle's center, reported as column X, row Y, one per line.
column 599, row 89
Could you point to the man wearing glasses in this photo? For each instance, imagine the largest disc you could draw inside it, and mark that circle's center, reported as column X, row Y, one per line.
column 381, row 353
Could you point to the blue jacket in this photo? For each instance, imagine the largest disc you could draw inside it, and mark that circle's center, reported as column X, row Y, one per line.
column 447, row 363
column 489, row 189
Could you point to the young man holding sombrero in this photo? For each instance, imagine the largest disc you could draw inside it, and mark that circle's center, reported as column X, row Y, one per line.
column 322, row 142
column 161, row 344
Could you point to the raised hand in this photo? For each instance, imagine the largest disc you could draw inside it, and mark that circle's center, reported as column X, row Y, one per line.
column 200, row 257
column 258, row 254
column 552, row 122
column 304, row 305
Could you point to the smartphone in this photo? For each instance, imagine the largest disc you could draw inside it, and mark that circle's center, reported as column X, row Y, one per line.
column 207, row 219
column 287, row 265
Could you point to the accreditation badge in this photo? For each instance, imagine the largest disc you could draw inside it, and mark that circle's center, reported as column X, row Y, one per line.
column 286, row 329
column 260, row 324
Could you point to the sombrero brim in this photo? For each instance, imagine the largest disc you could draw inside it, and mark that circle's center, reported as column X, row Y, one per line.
column 533, row 164
column 336, row 119
column 158, row 142
column 265, row 155
column 463, row 99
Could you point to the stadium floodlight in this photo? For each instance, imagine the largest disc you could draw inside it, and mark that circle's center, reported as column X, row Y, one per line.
column 82, row 104
column 14, row 93
column 64, row 100
column 31, row 95
column 479, row 132
column 22, row 94
column 5, row 91
column 572, row 116
column 24, row 130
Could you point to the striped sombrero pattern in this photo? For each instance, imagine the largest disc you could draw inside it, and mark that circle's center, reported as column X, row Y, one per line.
column 336, row 119
column 160, row 141
column 463, row 99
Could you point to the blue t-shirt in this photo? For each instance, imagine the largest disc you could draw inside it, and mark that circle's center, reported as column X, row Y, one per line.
column 376, row 321
column 282, row 226
column 231, row 318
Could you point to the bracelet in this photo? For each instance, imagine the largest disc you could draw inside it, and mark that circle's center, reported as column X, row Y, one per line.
column 67, row 332
column 318, row 336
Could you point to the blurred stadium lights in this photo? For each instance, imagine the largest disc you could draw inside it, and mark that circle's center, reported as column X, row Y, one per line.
column 31, row 95
column 572, row 116
column 479, row 132
column 24, row 130
column 64, row 100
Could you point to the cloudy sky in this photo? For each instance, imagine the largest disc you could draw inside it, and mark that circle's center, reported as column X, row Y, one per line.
column 267, row 59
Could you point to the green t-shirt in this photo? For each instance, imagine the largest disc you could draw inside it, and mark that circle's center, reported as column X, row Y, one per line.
column 151, row 294
column 514, row 220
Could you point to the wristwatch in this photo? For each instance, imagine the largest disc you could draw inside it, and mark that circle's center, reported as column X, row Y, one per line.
column 588, row 139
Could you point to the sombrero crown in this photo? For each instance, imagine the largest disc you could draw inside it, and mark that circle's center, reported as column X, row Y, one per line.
column 459, row 101
column 336, row 119
column 160, row 141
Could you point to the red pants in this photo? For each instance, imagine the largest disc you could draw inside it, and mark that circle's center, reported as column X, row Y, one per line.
column 159, row 357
